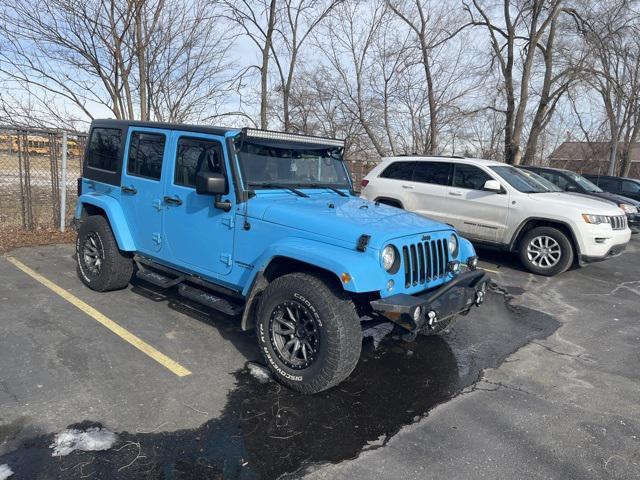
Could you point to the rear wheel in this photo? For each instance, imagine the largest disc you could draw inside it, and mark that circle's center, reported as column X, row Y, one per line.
column 308, row 332
column 100, row 264
column 546, row 251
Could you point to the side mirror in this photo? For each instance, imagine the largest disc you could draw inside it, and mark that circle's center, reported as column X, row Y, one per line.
column 492, row 186
column 209, row 183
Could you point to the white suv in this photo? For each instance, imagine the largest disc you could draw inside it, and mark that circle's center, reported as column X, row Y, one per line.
column 496, row 204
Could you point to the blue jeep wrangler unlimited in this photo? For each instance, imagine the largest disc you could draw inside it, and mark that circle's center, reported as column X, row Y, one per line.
column 265, row 225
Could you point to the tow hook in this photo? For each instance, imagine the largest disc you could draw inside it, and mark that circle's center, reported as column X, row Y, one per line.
column 433, row 318
column 479, row 298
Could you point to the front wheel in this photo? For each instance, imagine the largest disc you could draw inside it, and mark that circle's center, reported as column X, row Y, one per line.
column 546, row 251
column 308, row 332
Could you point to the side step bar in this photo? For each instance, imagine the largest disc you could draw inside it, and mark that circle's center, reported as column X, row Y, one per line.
column 205, row 293
column 210, row 300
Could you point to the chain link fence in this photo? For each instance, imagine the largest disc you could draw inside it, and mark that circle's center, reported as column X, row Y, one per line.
column 31, row 171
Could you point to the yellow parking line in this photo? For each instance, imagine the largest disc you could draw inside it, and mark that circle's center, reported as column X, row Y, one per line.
column 123, row 333
column 489, row 270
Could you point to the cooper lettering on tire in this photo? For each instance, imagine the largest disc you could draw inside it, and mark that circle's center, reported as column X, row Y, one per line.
column 308, row 331
column 100, row 264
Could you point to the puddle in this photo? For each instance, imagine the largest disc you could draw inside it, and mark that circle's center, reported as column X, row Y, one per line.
column 266, row 431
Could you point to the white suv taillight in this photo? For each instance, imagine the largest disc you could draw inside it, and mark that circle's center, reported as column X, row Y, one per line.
column 364, row 182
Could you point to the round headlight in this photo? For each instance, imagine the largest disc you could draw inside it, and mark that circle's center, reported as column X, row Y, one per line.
column 453, row 245
column 388, row 257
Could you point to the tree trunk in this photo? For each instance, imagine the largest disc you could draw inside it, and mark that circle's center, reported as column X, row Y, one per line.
column 264, row 70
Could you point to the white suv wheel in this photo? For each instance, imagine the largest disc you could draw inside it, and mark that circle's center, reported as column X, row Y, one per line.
column 544, row 251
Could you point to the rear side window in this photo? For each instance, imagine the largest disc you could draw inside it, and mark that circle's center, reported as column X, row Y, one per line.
column 436, row 173
column 399, row 171
column 469, row 177
column 104, row 148
column 196, row 155
column 145, row 155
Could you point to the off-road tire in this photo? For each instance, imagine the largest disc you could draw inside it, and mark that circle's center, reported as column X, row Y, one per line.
column 566, row 248
column 116, row 267
column 340, row 334
column 438, row 328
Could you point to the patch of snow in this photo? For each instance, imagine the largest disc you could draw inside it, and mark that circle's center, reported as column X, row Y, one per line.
column 378, row 332
column 259, row 372
column 5, row 472
column 90, row 440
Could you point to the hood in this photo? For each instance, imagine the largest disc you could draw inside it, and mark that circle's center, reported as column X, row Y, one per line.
column 579, row 201
column 341, row 218
column 615, row 198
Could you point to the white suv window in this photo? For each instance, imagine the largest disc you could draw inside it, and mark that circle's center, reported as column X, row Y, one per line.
column 399, row 171
column 469, row 177
column 436, row 173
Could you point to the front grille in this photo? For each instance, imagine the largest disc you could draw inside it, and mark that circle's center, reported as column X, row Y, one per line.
column 619, row 222
column 424, row 261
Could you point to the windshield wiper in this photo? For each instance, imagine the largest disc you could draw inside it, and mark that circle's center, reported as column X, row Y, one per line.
column 328, row 187
column 280, row 185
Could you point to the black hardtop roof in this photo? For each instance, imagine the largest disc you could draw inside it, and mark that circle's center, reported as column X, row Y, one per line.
column 610, row 176
column 539, row 167
column 168, row 126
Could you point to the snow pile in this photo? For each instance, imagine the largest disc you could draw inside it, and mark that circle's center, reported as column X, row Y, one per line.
column 90, row 440
column 378, row 332
column 5, row 472
column 259, row 372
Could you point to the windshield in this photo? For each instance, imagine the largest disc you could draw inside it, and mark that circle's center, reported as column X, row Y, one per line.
column 583, row 182
column 270, row 166
column 525, row 181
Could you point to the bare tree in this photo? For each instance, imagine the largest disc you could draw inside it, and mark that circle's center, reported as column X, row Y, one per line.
column 296, row 21
column 514, row 40
column 125, row 55
column 257, row 22
column 434, row 24
column 611, row 39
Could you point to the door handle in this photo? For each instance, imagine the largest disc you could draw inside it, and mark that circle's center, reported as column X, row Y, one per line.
column 172, row 201
column 408, row 187
column 129, row 190
column 455, row 194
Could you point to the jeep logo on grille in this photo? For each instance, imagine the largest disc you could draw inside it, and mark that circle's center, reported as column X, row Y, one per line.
column 426, row 238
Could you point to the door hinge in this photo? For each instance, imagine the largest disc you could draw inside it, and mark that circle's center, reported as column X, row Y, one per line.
column 226, row 259
column 228, row 221
column 157, row 204
column 157, row 238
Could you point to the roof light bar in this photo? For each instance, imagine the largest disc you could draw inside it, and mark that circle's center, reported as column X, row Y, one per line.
column 250, row 133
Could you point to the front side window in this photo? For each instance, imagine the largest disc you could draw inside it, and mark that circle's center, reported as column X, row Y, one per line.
column 146, row 151
column 523, row 180
column 271, row 166
column 583, row 182
column 436, row 173
column 399, row 171
column 196, row 155
column 469, row 177
column 630, row 187
column 609, row 184
column 104, row 149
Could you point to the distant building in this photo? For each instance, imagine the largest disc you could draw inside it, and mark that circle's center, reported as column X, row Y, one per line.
column 583, row 157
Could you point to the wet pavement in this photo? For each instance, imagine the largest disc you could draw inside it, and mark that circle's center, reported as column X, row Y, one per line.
column 265, row 431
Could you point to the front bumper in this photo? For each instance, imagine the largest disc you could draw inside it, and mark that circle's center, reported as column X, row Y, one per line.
column 633, row 219
column 612, row 252
column 457, row 296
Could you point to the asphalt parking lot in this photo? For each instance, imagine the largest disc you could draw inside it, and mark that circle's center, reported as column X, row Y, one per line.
column 542, row 382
